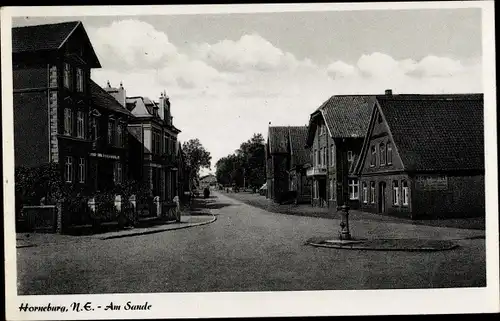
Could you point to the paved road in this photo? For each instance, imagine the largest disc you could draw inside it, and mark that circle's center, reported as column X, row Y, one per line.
column 246, row 249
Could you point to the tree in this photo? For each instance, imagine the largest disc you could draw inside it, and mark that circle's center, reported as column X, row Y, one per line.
column 244, row 167
column 196, row 158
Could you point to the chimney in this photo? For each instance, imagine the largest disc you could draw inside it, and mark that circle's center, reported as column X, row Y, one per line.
column 118, row 93
column 388, row 92
column 161, row 106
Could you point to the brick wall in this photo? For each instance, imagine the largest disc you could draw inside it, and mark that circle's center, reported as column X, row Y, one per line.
column 460, row 196
column 399, row 210
column 31, row 128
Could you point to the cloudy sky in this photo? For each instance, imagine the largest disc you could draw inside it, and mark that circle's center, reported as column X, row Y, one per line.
column 229, row 75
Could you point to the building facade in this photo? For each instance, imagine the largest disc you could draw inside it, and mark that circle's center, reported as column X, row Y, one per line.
column 52, row 98
column 299, row 159
column 108, row 123
column 335, row 136
column 153, row 143
column 423, row 156
column 286, row 159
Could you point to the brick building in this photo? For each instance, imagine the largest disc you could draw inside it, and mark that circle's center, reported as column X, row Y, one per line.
column 423, row 156
column 108, row 162
column 52, row 98
column 153, row 142
column 299, row 158
column 285, row 161
column 335, row 136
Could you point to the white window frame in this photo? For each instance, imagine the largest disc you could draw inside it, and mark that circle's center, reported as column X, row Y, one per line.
column 79, row 79
column 353, row 186
column 68, row 169
column 395, row 193
column 68, row 121
column 404, row 186
column 372, row 192
column 81, row 170
column 80, row 124
column 67, row 75
column 365, row 193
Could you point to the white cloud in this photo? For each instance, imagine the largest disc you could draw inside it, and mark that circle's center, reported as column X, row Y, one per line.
column 250, row 52
column 131, row 44
column 341, row 69
column 432, row 66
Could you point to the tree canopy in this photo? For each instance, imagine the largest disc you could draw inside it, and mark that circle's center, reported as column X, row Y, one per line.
column 196, row 158
column 246, row 166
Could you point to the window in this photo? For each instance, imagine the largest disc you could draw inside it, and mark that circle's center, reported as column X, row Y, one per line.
column 332, row 153
column 79, row 80
column 68, row 169
column 111, row 131
column 332, row 189
column 119, row 136
column 373, row 160
column 68, row 121
column 118, row 173
column 350, row 158
column 81, row 170
column 395, row 193
column 318, row 160
column 365, row 193
column 323, row 153
column 404, row 185
column 67, row 76
column 80, row 124
column 372, row 192
column 95, row 128
column 382, row 154
column 321, row 129
column 158, row 147
column 353, row 189
column 389, row 153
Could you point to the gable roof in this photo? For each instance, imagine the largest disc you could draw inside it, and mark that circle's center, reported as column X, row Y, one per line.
column 298, row 137
column 436, row 132
column 278, row 139
column 345, row 116
column 47, row 37
column 101, row 98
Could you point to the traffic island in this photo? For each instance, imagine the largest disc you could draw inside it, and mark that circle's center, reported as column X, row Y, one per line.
column 411, row 245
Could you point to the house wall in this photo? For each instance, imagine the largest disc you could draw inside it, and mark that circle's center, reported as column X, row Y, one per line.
column 31, row 128
column 280, row 177
column 450, row 196
column 373, row 205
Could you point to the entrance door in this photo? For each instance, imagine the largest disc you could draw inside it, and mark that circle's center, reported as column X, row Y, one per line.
column 381, row 197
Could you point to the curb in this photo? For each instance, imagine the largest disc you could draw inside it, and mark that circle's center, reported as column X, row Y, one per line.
column 370, row 248
column 407, row 245
column 214, row 218
column 26, row 245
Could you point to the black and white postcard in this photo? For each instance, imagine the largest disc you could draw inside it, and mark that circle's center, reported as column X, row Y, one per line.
column 249, row 160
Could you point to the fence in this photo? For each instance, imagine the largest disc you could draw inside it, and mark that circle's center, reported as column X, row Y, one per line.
column 124, row 211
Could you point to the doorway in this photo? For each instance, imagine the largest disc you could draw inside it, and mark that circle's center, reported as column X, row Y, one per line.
column 381, row 197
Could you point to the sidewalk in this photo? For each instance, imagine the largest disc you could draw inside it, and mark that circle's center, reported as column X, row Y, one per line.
column 476, row 223
column 37, row 239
